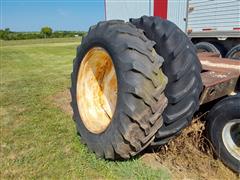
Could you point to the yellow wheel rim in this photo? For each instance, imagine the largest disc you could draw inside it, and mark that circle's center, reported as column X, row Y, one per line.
column 97, row 90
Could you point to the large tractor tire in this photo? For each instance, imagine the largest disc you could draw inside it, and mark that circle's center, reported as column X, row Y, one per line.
column 182, row 67
column 234, row 53
column 223, row 127
column 117, row 90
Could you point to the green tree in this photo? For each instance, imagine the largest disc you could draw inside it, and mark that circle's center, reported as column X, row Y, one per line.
column 46, row 31
column 4, row 34
column 7, row 30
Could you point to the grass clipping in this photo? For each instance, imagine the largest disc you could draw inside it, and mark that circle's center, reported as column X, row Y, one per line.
column 191, row 155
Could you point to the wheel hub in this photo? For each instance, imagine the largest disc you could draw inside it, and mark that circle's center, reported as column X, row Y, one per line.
column 231, row 137
column 97, row 90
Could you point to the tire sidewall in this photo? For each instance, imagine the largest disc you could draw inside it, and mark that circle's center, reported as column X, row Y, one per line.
column 217, row 119
column 108, row 133
column 233, row 51
column 208, row 47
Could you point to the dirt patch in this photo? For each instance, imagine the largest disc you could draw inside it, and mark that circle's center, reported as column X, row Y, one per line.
column 62, row 101
column 189, row 156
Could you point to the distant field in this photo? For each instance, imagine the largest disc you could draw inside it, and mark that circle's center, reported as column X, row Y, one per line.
column 39, row 41
column 39, row 140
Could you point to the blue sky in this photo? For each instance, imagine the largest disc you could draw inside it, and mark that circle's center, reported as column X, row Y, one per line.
column 31, row 15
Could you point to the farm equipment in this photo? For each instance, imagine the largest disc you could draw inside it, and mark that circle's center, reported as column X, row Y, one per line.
column 139, row 83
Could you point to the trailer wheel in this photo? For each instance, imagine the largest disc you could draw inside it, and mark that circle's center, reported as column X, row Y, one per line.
column 223, row 126
column 182, row 68
column 206, row 47
column 117, row 90
column 234, row 53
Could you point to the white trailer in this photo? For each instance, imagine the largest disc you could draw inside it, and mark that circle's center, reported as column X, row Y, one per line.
column 215, row 24
column 221, row 17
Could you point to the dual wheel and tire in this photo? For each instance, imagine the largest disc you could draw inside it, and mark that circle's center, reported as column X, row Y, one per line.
column 207, row 47
column 133, row 84
column 233, row 53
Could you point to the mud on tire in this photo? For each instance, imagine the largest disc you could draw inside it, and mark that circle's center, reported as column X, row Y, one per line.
column 140, row 98
column 181, row 66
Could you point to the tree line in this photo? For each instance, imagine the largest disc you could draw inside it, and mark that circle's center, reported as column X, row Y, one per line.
column 45, row 32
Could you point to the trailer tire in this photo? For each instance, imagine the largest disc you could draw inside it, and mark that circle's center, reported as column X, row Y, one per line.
column 223, row 121
column 182, row 68
column 234, row 53
column 139, row 83
column 221, row 49
column 207, row 47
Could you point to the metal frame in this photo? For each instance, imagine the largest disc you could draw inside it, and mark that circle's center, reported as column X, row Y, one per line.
column 220, row 76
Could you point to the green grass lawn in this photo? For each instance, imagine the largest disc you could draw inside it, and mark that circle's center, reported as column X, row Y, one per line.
column 37, row 138
column 40, row 41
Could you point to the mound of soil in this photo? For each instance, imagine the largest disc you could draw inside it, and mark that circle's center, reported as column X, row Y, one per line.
column 189, row 156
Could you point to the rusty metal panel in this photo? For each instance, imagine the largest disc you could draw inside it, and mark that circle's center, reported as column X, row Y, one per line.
column 210, row 62
column 207, row 54
column 217, row 84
